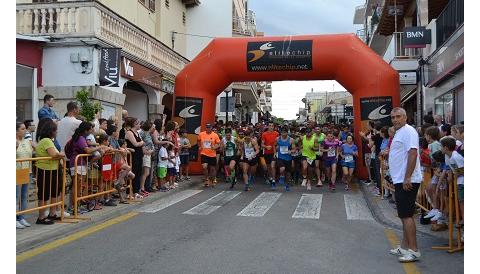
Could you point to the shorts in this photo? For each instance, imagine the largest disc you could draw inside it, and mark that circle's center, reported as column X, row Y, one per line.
column 329, row 162
column 305, row 158
column 348, row 164
column 405, row 200
column 319, row 158
column 147, row 160
column 227, row 160
column 161, row 172
column 268, row 158
column 252, row 162
column 460, row 190
column 287, row 164
column 47, row 184
column 211, row 161
column 184, row 159
column 81, row 170
column 171, row 171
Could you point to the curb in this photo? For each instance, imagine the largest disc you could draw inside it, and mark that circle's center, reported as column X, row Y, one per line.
column 68, row 230
column 380, row 218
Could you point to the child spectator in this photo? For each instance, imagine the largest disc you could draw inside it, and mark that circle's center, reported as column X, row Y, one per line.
column 124, row 173
column 184, row 155
column 171, row 170
column 455, row 161
column 106, row 148
column 432, row 135
column 457, row 133
column 91, row 142
column 162, row 166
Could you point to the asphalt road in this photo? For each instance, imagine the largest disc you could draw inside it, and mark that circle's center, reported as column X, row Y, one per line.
column 221, row 231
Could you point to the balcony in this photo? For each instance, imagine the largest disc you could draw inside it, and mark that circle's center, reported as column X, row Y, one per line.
column 404, row 53
column 449, row 20
column 191, row 3
column 82, row 20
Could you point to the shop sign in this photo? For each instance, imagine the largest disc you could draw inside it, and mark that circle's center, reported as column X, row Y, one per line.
column 136, row 72
column 274, row 56
column 189, row 110
column 416, row 37
column 109, row 67
column 446, row 62
column 408, row 78
column 168, row 86
column 376, row 109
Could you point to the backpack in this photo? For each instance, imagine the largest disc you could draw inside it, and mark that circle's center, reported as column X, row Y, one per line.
column 69, row 149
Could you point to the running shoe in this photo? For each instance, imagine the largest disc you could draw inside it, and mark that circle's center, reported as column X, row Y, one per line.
column 398, row 251
column 287, row 188
column 431, row 213
column 273, row 187
column 411, row 256
column 333, row 187
column 309, row 186
column 304, row 182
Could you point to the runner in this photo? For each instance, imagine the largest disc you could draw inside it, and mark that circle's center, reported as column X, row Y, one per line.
column 208, row 143
column 229, row 148
column 320, row 136
column 330, row 147
column 309, row 146
column 296, row 156
column 268, row 145
column 249, row 152
column 285, row 145
column 349, row 153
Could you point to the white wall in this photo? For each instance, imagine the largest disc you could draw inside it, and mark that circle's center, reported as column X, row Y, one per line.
column 211, row 18
column 136, row 103
column 59, row 71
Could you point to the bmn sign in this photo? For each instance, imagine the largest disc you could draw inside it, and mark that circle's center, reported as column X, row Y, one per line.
column 416, row 37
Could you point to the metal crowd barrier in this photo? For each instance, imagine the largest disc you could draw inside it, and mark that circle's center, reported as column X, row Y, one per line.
column 51, row 184
column 92, row 181
column 454, row 241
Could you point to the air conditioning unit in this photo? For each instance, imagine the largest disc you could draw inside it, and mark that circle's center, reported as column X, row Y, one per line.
column 238, row 99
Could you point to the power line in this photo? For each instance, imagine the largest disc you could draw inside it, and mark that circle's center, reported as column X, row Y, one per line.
column 196, row 35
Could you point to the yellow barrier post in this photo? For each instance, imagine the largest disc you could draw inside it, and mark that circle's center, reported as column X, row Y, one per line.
column 452, row 201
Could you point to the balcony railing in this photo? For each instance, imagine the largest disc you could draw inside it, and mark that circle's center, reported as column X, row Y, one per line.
column 400, row 51
column 91, row 19
column 449, row 20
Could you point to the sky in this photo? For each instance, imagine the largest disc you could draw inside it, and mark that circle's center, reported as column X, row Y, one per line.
column 287, row 17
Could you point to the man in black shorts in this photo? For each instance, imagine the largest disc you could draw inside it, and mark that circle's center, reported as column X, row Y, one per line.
column 407, row 177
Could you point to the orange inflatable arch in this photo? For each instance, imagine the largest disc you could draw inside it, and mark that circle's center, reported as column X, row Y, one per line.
column 373, row 83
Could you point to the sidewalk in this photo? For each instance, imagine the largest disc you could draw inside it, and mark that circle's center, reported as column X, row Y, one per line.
column 37, row 235
column 385, row 213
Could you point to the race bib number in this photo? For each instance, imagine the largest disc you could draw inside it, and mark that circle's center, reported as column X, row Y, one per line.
column 284, row 150
column 309, row 161
column 372, row 156
column 229, row 153
column 207, row 144
column 250, row 154
column 348, row 158
column 331, row 153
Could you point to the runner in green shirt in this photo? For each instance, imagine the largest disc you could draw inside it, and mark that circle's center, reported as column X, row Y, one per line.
column 309, row 148
column 320, row 136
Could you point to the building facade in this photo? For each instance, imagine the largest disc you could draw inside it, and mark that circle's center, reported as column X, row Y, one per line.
column 74, row 36
column 431, row 70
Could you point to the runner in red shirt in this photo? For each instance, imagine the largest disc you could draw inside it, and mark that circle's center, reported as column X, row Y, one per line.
column 269, row 138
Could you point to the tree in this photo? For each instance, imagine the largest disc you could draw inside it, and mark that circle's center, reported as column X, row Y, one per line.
column 87, row 108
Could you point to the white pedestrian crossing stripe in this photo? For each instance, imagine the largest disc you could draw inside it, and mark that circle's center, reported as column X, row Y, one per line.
column 356, row 208
column 261, row 204
column 308, row 207
column 168, row 201
column 213, row 203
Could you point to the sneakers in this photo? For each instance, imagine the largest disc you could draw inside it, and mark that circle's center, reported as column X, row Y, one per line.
column 19, row 225
column 411, row 256
column 273, row 187
column 65, row 213
column 431, row 213
column 398, row 251
column 309, row 186
column 287, row 188
column 24, row 223
column 110, row 202
column 437, row 216
column 304, row 182
column 44, row 221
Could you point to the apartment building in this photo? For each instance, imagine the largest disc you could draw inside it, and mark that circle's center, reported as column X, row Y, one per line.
column 423, row 41
column 125, row 53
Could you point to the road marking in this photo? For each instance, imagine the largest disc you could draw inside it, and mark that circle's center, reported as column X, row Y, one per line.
column 308, row 207
column 168, row 201
column 261, row 204
column 55, row 244
column 356, row 208
column 409, row 268
column 213, row 203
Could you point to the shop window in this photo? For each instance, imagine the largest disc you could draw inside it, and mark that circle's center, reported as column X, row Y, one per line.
column 444, row 107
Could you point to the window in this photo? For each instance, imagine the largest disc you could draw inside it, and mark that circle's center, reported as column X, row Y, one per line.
column 149, row 4
column 167, row 3
column 444, row 107
column 184, row 18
